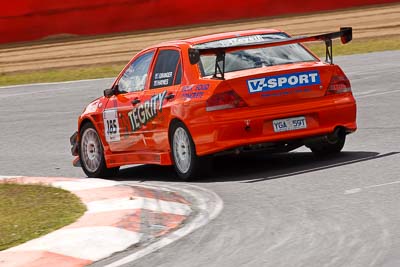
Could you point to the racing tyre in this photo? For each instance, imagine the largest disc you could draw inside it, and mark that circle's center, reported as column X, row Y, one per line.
column 187, row 164
column 333, row 145
column 91, row 154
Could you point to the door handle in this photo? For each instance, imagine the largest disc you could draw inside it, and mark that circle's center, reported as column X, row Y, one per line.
column 170, row 96
column 135, row 101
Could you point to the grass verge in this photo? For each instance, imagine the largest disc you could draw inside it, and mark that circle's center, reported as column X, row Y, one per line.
column 60, row 74
column 92, row 72
column 30, row 211
column 360, row 46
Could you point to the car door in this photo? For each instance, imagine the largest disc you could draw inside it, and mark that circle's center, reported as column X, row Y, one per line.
column 122, row 116
column 164, row 83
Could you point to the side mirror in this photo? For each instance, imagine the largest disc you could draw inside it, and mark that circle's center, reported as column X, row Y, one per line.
column 108, row 92
column 194, row 56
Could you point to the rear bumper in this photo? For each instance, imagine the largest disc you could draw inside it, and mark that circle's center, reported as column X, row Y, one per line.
column 228, row 129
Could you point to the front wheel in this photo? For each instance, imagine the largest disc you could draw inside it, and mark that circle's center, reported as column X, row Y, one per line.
column 91, row 154
column 187, row 164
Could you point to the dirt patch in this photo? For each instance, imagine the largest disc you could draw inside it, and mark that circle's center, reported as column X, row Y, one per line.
column 367, row 22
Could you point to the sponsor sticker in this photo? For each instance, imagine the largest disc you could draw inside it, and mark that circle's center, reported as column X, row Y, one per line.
column 111, row 125
column 194, row 90
column 241, row 40
column 147, row 111
column 285, row 81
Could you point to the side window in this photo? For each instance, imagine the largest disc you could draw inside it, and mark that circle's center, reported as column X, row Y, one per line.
column 166, row 69
column 135, row 76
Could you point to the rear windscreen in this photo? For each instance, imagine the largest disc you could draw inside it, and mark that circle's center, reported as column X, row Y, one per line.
column 254, row 58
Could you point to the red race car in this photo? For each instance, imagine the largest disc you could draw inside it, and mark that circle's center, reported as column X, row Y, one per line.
column 181, row 102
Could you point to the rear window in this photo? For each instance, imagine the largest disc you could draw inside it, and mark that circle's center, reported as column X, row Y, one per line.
column 254, row 58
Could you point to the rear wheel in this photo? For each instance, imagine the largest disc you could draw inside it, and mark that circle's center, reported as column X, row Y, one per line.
column 332, row 145
column 91, row 154
column 187, row 164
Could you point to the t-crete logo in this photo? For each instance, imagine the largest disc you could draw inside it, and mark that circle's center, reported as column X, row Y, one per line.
column 285, row 81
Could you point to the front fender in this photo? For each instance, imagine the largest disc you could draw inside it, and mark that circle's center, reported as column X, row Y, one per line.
column 93, row 113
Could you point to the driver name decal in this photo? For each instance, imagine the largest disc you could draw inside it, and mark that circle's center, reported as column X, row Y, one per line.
column 147, row 111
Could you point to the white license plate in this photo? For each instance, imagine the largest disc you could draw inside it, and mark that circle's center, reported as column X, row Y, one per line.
column 289, row 124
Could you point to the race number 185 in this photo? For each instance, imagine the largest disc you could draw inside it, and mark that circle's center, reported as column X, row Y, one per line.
column 111, row 126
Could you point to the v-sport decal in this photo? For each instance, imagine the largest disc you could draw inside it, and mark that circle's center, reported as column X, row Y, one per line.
column 284, row 81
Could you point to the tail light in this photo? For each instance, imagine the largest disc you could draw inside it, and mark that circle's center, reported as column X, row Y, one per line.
column 225, row 100
column 339, row 84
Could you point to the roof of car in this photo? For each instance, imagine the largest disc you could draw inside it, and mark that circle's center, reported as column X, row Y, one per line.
column 227, row 35
column 218, row 36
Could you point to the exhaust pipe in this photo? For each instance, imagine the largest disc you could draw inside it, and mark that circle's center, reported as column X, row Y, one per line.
column 338, row 134
column 332, row 138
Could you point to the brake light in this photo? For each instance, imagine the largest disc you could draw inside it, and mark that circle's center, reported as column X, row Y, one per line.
column 339, row 84
column 225, row 100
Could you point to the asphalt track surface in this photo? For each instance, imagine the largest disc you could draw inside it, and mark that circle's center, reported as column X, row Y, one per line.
column 281, row 210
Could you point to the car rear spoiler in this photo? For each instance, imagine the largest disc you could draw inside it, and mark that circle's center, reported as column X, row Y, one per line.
column 345, row 34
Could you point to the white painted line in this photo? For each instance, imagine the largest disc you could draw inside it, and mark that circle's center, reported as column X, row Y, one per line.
column 43, row 91
column 358, row 190
column 152, row 204
column 54, row 83
column 91, row 243
column 376, row 94
column 364, row 93
column 310, row 170
column 352, row 191
column 210, row 206
column 84, row 184
column 385, row 184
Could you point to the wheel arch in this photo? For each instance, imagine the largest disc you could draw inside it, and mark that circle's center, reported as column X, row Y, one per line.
column 173, row 122
column 85, row 121
column 91, row 120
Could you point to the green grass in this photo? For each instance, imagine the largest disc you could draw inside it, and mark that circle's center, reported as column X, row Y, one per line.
column 361, row 46
column 91, row 72
column 60, row 75
column 30, row 211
